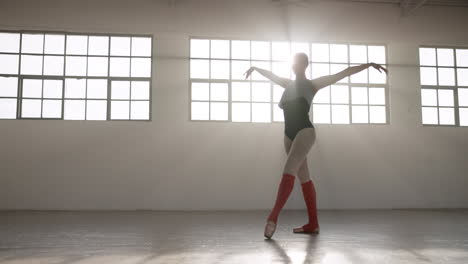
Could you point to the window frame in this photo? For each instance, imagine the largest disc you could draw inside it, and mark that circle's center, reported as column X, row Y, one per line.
column 456, row 107
column 64, row 76
column 272, row 102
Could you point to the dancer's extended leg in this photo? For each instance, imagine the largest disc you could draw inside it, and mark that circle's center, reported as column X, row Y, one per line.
column 297, row 151
column 299, row 148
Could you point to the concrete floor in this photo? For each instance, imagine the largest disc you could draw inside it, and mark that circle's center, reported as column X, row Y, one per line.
column 374, row 236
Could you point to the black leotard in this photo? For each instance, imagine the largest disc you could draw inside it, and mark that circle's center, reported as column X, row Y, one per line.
column 295, row 103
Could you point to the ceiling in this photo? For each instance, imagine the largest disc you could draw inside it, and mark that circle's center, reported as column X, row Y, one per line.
column 407, row 6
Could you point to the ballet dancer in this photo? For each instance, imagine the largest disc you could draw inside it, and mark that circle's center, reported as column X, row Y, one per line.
column 300, row 135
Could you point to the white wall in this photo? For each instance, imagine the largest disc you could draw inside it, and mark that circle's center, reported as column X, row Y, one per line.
column 173, row 163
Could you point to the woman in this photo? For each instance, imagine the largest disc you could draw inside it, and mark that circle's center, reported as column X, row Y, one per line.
column 300, row 135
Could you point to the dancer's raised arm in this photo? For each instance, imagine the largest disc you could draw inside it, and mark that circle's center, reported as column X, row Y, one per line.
column 325, row 81
column 283, row 82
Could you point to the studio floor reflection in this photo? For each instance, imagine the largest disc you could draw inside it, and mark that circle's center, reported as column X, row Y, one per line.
column 371, row 236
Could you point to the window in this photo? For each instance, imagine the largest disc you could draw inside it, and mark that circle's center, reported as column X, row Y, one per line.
column 49, row 75
column 220, row 92
column 444, row 86
column 359, row 99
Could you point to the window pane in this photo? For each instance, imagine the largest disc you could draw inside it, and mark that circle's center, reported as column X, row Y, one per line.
column 31, row 65
column 463, row 116
column 429, row 97
column 240, row 91
column 240, row 49
column 97, row 89
column 445, row 57
column 336, row 68
column 54, row 44
column 9, row 42
column 200, row 91
column 8, row 86
column 199, row 69
column 120, row 67
column 300, row 47
column 140, row 110
column 9, row 64
column 428, row 76
column 376, row 54
column 322, row 96
column 75, row 66
column 320, row 69
column 120, row 90
column 7, row 108
column 219, row 69
column 220, row 49
column 238, row 68
column 377, row 77
column 358, row 53
column 75, row 88
column 241, row 112
column 282, row 69
column 340, row 114
column 359, row 95
column 98, row 45
column 260, row 64
column 360, row 77
column 462, row 57
column 141, row 46
column 447, row 116
column 199, row 48
column 32, row 43
column 141, row 67
column 321, row 114
column 339, row 94
column 32, row 88
column 377, row 114
column 260, row 50
column 360, row 114
column 377, row 96
column 200, row 111
column 219, row 111
column 446, row 76
column 52, row 109
column 462, row 77
column 96, row 110
column 77, row 45
column 338, row 53
column 97, row 66
column 320, row 52
column 445, row 97
column 277, row 93
column 53, row 65
column 278, row 115
column 120, row 46
column 463, row 97
column 261, row 92
column 427, row 56
column 219, row 91
column 261, row 112
column 31, row 108
column 120, row 110
column 140, row 90
column 280, row 51
column 430, row 116
column 53, row 88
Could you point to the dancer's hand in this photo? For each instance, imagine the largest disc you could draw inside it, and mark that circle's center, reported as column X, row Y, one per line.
column 249, row 72
column 378, row 67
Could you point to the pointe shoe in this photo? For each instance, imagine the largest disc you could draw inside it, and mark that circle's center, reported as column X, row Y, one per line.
column 270, row 228
column 305, row 229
